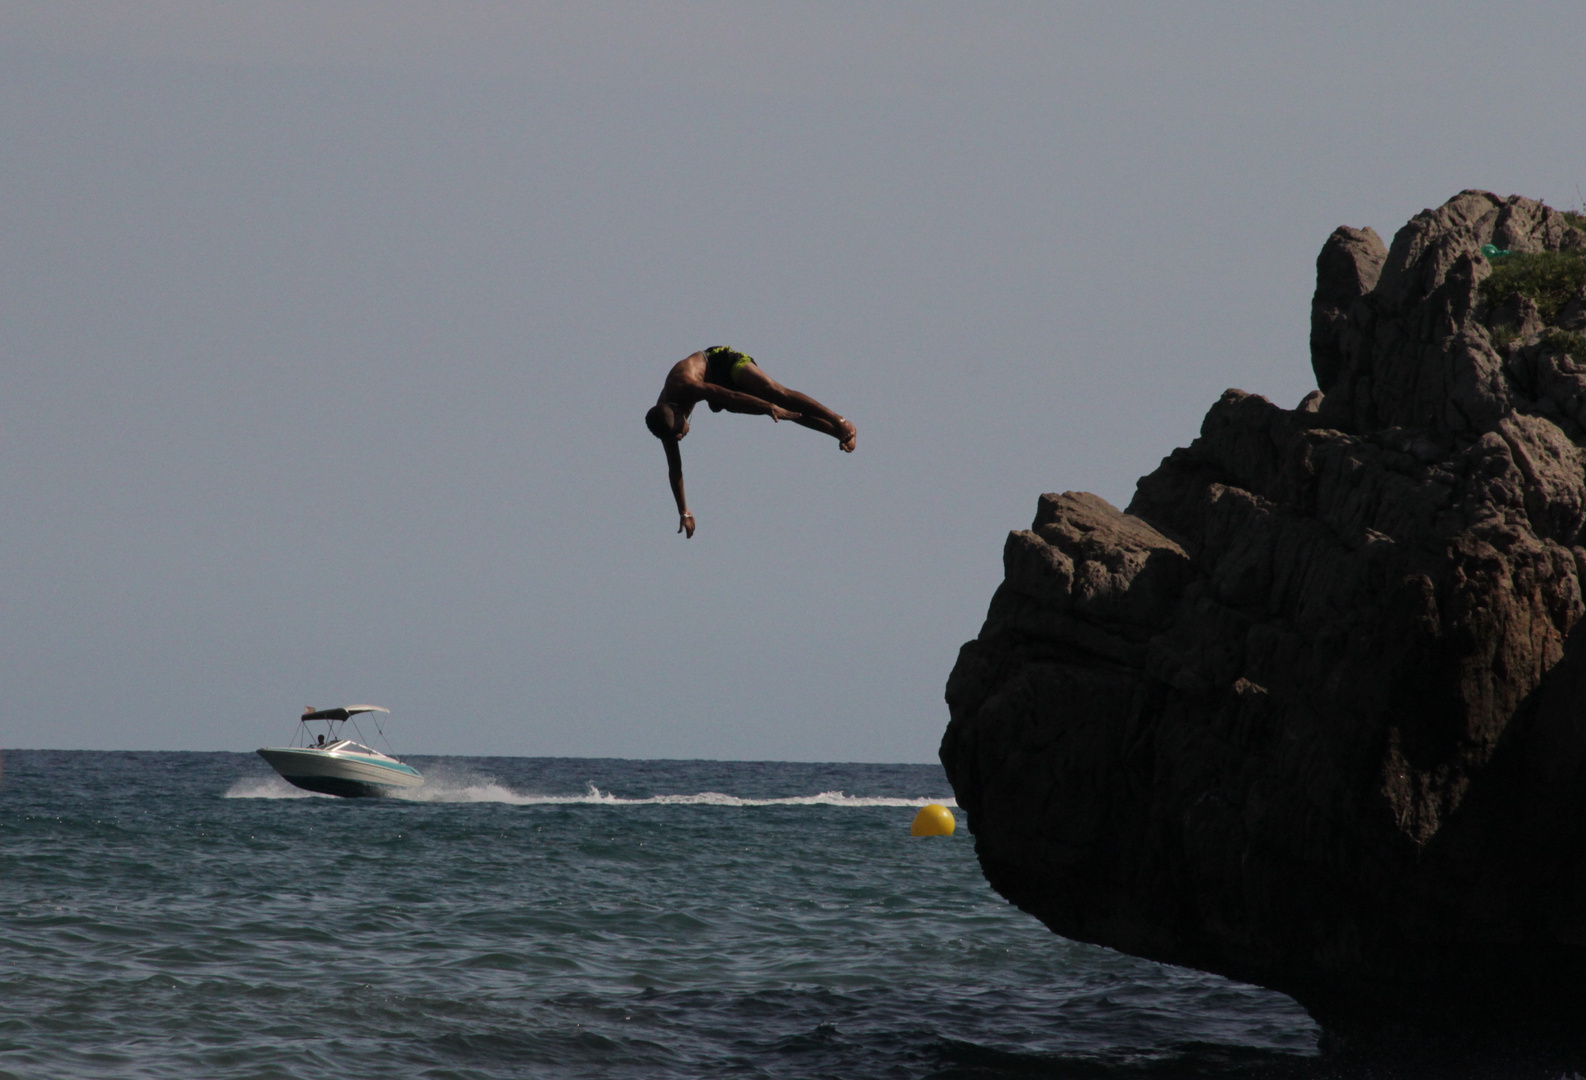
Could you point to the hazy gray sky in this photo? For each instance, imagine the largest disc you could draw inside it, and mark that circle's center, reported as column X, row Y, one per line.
column 326, row 332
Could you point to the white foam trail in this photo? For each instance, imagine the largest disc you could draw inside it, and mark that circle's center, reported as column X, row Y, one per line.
column 266, row 787
column 490, row 790
column 493, row 791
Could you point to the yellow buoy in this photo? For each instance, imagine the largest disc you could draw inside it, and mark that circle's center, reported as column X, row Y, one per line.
column 933, row 820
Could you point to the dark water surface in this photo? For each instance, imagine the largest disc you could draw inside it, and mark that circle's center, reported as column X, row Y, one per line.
column 189, row 915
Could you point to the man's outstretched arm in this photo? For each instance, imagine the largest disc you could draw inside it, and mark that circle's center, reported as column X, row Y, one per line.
column 674, row 473
column 719, row 397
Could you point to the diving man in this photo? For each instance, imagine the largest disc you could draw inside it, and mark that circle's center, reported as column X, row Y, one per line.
column 724, row 378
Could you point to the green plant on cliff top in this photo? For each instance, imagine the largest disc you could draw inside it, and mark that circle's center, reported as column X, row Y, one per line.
column 1576, row 219
column 1548, row 277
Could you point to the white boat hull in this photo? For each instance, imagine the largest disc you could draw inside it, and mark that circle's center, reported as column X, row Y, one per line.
column 331, row 772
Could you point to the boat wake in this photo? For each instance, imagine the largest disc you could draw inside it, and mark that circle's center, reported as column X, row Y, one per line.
column 489, row 790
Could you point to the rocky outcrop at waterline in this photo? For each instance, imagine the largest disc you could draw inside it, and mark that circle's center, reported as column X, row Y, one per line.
column 1311, row 713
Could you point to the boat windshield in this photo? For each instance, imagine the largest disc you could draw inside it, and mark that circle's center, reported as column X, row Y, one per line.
column 349, row 746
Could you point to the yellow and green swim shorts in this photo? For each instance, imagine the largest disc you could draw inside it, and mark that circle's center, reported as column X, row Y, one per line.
column 723, row 364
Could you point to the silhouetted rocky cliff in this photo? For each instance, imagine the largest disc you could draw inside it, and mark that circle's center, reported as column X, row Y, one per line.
column 1312, row 712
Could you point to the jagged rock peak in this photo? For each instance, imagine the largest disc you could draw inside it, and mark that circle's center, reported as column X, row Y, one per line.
column 1312, row 712
column 1401, row 336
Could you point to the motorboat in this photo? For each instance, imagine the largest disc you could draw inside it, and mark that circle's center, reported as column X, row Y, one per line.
column 326, row 762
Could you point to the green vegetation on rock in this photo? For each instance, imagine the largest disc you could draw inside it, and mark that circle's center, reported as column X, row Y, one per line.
column 1550, row 278
column 1502, row 336
column 1566, row 341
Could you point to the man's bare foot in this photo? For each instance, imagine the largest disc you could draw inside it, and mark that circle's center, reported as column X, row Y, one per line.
column 850, row 436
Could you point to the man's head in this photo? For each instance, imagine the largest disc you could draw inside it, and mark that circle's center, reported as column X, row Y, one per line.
column 666, row 422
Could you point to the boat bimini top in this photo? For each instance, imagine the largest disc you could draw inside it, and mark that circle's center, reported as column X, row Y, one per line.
column 331, row 738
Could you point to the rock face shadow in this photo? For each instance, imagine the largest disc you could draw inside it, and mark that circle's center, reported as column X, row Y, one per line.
column 1311, row 712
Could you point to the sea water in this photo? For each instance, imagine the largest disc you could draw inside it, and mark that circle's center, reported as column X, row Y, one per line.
column 191, row 915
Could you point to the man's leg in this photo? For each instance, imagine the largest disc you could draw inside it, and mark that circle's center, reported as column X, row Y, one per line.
column 812, row 414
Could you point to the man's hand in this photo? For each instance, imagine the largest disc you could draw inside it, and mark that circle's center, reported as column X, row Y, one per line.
column 686, row 522
column 779, row 413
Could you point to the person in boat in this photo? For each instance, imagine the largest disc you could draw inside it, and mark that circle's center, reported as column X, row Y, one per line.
column 724, row 378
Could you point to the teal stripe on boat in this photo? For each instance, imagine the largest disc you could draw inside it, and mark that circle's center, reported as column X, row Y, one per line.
column 395, row 766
